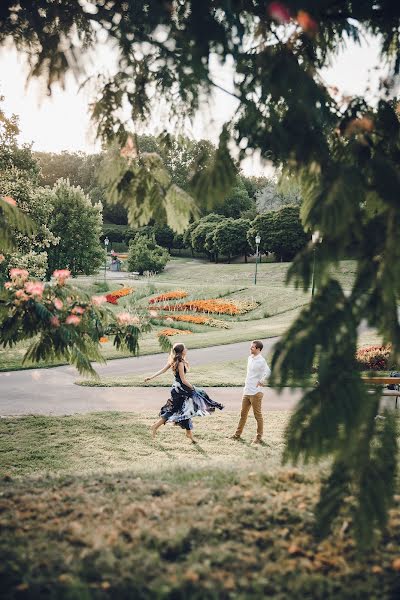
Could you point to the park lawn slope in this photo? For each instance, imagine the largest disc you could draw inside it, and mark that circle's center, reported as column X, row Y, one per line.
column 121, row 516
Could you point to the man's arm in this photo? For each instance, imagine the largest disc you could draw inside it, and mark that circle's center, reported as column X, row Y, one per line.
column 265, row 373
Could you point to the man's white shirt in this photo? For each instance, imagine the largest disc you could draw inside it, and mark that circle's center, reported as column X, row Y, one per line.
column 257, row 370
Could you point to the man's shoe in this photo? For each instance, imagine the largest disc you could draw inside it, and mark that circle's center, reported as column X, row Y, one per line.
column 236, row 437
column 258, row 441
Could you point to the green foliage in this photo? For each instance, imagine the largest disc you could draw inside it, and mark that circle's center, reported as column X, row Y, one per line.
column 78, row 224
column 230, row 237
column 236, row 202
column 281, row 232
column 141, row 183
column 145, row 255
column 25, row 233
column 164, row 236
column 42, row 313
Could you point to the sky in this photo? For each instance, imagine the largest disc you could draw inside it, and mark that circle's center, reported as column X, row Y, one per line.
column 61, row 121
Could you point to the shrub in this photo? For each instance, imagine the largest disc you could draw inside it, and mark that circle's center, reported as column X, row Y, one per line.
column 146, row 255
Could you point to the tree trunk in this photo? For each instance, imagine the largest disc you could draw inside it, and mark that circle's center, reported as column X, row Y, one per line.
column 245, row 258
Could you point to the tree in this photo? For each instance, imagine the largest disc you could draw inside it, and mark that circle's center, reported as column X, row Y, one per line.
column 236, row 202
column 281, row 232
column 201, row 233
column 19, row 174
column 164, row 236
column 343, row 151
column 145, row 255
column 230, row 238
column 290, row 237
column 276, row 194
column 77, row 222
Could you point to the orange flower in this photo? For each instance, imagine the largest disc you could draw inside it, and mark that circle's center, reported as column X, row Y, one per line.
column 103, row 340
column 307, row 23
column 168, row 296
column 170, row 332
column 112, row 297
column 207, row 306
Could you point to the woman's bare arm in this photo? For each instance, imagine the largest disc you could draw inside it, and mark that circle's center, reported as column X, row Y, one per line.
column 181, row 370
column 160, row 372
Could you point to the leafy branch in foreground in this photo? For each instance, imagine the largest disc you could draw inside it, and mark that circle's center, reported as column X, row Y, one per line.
column 65, row 323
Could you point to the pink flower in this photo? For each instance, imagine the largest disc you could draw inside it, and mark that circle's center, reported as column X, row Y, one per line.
column 19, row 274
column 61, row 275
column 58, row 303
column 72, row 320
column 8, row 285
column 169, row 320
column 153, row 313
column 20, row 294
column 78, row 310
column 2, row 258
column 55, row 322
column 34, row 288
column 124, row 318
column 98, row 300
column 278, row 12
column 10, row 200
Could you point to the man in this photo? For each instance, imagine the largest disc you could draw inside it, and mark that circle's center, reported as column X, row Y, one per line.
column 257, row 373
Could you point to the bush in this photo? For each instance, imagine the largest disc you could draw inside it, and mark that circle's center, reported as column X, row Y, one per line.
column 374, row 358
column 145, row 255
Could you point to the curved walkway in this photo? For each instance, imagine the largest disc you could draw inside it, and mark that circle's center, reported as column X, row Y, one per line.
column 52, row 391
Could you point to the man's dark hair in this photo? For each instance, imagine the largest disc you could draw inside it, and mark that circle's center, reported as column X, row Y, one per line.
column 259, row 345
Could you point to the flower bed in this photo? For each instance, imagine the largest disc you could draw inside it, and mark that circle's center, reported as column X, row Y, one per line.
column 170, row 332
column 199, row 320
column 374, row 358
column 177, row 295
column 112, row 297
column 214, row 305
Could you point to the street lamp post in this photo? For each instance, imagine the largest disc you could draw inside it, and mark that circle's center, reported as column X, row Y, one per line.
column 315, row 238
column 258, row 240
column 106, row 242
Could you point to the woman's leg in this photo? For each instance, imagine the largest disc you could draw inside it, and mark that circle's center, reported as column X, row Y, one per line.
column 189, row 434
column 156, row 425
column 188, row 425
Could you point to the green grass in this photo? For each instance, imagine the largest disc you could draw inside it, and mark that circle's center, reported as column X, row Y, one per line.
column 91, row 507
column 218, row 374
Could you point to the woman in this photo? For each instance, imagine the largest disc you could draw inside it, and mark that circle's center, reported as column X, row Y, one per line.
column 186, row 401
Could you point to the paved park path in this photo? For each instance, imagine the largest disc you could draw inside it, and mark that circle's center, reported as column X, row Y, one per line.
column 52, row 391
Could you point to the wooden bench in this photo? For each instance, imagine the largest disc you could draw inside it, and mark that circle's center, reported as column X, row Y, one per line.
column 385, row 381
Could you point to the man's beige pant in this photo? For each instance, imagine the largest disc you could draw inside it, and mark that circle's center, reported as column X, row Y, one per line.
column 255, row 401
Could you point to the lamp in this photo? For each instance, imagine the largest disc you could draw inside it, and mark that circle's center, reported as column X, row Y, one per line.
column 258, row 240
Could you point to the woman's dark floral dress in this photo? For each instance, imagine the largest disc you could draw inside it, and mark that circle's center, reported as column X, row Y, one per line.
column 186, row 403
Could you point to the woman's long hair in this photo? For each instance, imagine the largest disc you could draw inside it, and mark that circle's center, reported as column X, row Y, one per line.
column 176, row 356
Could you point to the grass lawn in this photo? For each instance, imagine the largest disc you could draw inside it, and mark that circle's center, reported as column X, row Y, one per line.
column 91, row 507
